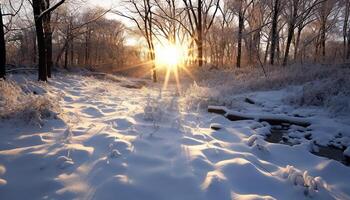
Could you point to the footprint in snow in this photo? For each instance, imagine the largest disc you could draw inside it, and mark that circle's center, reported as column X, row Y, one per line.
column 93, row 112
column 68, row 99
column 108, row 110
column 122, row 124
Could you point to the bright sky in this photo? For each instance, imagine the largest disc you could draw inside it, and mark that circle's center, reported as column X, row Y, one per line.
column 113, row 4
column 104, row 3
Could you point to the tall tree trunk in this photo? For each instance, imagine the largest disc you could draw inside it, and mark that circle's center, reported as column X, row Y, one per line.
column 40, row 40
column 2, row 48
column 154, row 69
column 274, row 33
column 289, row 42
column 348, row 49
column 66, row 56
column 267, row 49
column 87, row 47
column 72, row 52
column 35, row 49
column 297, row 42
column 240, row 36
column 323, row 39
column 200, row 35
column 48, row 39
column 345, row 27
column 49, row 62
column 291, row 27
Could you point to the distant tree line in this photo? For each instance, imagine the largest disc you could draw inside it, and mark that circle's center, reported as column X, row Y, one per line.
column 242, row 33
column 57, row 33
column 220, row 33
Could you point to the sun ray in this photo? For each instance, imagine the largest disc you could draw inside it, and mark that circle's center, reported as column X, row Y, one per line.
column 177, row 79
column 166, row 80
column 189, row 73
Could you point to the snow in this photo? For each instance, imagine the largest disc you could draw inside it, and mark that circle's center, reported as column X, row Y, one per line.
column 111, row 141
column 347, row 152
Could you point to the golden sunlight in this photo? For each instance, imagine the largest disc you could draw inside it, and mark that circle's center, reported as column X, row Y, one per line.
column 170, row 56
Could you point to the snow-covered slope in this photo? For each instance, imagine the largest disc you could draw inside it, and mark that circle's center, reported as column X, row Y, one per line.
column 114, row 142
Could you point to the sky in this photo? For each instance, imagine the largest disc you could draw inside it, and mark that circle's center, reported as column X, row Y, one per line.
column 109, row 4
column 104, row 3
column 113, row 4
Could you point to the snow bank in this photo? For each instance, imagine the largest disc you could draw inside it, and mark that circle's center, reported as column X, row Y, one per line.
column 332, row 93
column 117, row 140
column 322, row 85
column 26, row 103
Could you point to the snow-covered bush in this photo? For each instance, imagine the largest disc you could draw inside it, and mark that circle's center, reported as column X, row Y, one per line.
column 197, row 97
column 332, row 93
column 324, row 85
column 153, row 111
column 303, row 179
column 159, row 109
column 29, row 107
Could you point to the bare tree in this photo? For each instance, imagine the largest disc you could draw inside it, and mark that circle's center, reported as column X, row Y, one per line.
column 200, row 21
column 296, row 12
column 346, row 31
column 274, row 29
column 41, row 12
column 240, row 7
column 3, row 59
column 140, row 12
column 2, row 47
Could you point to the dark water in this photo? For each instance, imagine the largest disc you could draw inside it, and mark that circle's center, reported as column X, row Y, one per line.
column 332, row 153
column 276, row 136
column 279, row 135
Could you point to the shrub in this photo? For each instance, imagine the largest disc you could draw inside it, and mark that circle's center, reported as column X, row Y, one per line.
column 31, row 108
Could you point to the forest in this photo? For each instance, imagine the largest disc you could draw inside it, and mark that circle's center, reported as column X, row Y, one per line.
column 175, row 99
column 222, row 33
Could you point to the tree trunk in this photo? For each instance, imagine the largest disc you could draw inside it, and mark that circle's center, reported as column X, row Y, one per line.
column 200, row 35
column 87, row 49
column 240, row 32
column 35, row 50
column 72, row 52
column 66, row 56
column 40, row 40
column 2, row 48
column 291, row 27
column 154, row 69
column 274, row 34
column 267, row 49
column 297, row 42
column 48, row 39
column 49, row 62
column 345, row 28
column 323, row 39
column 289, row 41
column 348, row 49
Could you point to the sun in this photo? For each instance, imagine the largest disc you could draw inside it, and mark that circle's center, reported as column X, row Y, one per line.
column 170, row 56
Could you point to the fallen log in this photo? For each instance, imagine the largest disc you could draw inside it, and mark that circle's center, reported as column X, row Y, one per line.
column 271, row 119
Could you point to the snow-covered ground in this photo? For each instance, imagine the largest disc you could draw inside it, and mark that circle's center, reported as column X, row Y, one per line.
column 105, row 138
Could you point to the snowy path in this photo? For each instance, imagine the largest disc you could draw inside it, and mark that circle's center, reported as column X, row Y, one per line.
column 119, row 143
